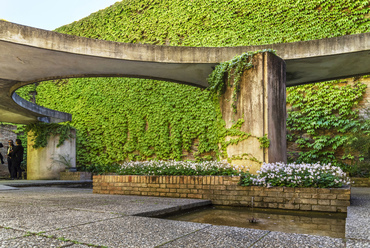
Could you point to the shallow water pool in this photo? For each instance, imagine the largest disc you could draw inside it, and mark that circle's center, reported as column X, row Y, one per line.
column 303, row 222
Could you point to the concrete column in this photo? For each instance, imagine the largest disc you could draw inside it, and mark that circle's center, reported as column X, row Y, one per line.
column 42, row 163
column 262, row 104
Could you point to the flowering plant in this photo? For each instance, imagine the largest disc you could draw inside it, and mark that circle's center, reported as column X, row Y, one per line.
column 174, row 168
column 297, row 175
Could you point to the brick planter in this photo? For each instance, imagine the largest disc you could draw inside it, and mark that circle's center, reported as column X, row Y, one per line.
column 67, row 175
column 360, row 182
column 224, row 190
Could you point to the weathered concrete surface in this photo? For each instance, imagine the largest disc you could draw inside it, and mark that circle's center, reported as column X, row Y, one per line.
column 15, row 109
column 42, row 162
column 43, row 217
column 261, row 103
column 358, row 218
column 30, row 55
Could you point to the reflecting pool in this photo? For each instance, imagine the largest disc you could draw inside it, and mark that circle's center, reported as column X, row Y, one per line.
column 303, row 222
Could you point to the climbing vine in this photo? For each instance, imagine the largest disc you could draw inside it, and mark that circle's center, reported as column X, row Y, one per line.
column 222, row 23
column 233, row 68
column 139, row 120
column 42, row 131
column 233, row 131
column 321, row 118
column 135, row 119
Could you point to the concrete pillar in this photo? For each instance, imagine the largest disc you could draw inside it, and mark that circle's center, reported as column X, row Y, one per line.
column 262, row 104
column 42, row 163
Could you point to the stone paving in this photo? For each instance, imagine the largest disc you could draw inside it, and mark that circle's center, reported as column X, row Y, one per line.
column 74, row 217
column 358, row 218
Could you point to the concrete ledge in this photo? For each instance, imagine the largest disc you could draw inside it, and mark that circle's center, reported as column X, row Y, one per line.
column 172, row 210
column 41, row 183
column 224, row 190
column 46, row 115
column 76, row 176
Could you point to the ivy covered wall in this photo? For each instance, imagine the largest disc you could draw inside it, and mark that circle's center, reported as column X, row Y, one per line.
column 121, row 118
column 322, row 118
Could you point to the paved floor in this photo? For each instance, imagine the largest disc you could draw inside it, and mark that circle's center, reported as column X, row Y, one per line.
column 74, row 217
column 5, row 184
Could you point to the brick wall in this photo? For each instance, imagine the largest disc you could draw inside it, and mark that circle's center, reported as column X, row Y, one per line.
column 67, row 175
column 360, row 182
column 224, row 190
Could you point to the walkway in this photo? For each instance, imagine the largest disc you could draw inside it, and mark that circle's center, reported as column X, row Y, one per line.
column 15, row 184
column 69, row 217
column 358, row 218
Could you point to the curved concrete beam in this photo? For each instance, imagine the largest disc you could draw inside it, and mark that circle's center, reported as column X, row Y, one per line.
column 30, row 55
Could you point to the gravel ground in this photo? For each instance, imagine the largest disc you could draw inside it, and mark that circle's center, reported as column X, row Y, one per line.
column 67, row 217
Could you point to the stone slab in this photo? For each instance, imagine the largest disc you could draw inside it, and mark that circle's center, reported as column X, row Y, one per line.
column 358, row 218
column 127, row 205
column 129, row 231
column 12, row 211
column 44, row 221
column 290, row 240
column 355, row 212
column 36, row 241
column 4, row 187
column 357, row 244
column 80, row 216
column 219, row 236
column 358, row 229
column 6, row 233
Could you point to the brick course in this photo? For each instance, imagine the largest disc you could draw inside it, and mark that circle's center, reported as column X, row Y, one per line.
column 224, row 190
column 360, row 182
column 67, row 175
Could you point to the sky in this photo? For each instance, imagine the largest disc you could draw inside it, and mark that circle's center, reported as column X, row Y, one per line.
column 49, row 14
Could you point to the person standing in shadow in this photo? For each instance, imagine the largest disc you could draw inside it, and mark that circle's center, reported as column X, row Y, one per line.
column 17, row 158
column 9, row 150
column 1, row 155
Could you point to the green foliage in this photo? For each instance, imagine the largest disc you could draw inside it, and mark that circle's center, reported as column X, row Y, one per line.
column 356, row 168
column 233, row 131
column 139, row 119
column 42, row 131
column 178, row 168
column 135, row 119
column 166, row 168
column 64, row 160
column 357, row 148
column 264, row 141
column 99, row 169
column 25, row 91
column 233, row 68
column 322, row 117
column 223, row 23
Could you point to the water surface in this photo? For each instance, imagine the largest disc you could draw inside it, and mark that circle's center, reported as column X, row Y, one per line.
column 303, row 222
